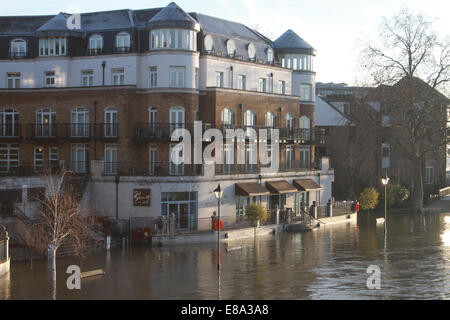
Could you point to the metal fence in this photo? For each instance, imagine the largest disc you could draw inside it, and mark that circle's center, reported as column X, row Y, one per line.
column 4, row 254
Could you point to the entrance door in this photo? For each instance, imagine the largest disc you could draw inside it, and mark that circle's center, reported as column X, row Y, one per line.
column 181, row 212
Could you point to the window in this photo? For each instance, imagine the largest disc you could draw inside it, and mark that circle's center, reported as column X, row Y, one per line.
column 38, row 158
column 219, row 79
column 385, row 155
column 242, row 82
column 289, row 121
column 9, row 123
column 49, row 78
column 227, row 118
column 270, row 120
column 346, row 108
column 177, row 117
column 53, row 159
column 123, row 42
column 176, row 168
column 305, row 92
column 231, row 48
column 228, row 157
column 80, row 123
column 152, row 160
column 173, row 39
column 251, row 51
column 79, row 158
column 282, row 87
column 152, row 118
column 262, row 84
column 269, row 55
column 95, row 44
column 110, row 160
column 177, row 77
column 305, row 128
column 289, row 157
column 9, row 157
column 111, row 123
column 249, row 118
column 118, row 77
column 250, row 157
column 13, row 80
column 87, row 78
column 429, row 175
column 45, row 123
column 52, row 46
column 153, row 77
column 18, row 49
column 305, row 157
column 209, row 43
column 385, row 121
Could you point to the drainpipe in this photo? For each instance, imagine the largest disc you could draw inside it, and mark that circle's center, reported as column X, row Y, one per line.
column 117, row 180
column 95, row 126
column 103, row 66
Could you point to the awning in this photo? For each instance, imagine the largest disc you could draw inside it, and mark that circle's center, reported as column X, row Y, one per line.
column 307, row 185
column 280, row 187
column 250, row 189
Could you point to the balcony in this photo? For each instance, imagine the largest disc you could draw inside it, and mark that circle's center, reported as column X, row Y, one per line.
column 25, row 170
column 10, row 132
column 95, row 52
column 18, row 55
column 156, row 169
column 122, row 49
column 76, row 132
column 42, row 131
column 154, row 132
column 108, row 132
column 234, row 169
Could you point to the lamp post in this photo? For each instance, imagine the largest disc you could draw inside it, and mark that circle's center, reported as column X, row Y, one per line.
column 218, row 192
column 385, row 182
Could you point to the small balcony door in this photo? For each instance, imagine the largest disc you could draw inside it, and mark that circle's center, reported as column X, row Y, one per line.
column 176, row 169
column 45, row 119
column 9, row 123
column 79, row 158
column 110, row 123
column 305, row 159
column 110, row 161
column 80, row 123
column 177, row 118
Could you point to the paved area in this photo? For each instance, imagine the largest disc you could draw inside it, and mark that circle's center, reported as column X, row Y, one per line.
column 440, row 206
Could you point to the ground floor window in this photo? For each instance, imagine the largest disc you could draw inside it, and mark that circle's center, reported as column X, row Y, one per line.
column 183, row 205
column 277, row 200
column 301, row 200
column 241, row 203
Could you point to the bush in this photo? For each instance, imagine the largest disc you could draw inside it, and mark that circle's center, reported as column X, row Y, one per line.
column 368, row 199
column 256, row 212
column 396, row 195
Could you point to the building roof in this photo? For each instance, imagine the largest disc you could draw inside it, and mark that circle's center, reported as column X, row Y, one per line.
column 23, row 26
column 57, row 26
column 290, row 42
column 328, row 115
column 173, row 16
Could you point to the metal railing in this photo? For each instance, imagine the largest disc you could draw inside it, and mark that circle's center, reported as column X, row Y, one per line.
column 157, row 169
column 122, row 49
column 95, row 52
column 17, row 54
column 10, row 131
column 163, row 131
column 24, row 170
column 106, row 131
column 231, row 169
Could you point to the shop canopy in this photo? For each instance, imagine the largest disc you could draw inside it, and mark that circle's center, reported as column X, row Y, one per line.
column 250, row 189
column 307, row 185
column 281, row 187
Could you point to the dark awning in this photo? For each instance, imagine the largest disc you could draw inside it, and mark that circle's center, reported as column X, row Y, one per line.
column 307, row 185
column 280, row 187
column 250, row 189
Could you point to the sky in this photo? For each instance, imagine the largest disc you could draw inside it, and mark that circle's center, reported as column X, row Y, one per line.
column 336, row 29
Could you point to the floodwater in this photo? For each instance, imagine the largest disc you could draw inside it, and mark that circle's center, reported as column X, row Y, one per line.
column 328, row 263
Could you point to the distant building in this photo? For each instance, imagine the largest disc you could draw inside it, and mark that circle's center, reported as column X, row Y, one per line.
column 327, row 89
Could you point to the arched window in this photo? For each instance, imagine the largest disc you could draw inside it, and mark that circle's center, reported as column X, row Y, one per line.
column 227, row 118
column 305, row 128
column 9, row 123
column 123, row 42
column 80, row 123
column 269, row 55
column 271, row 120
column 111, row 123
column 177, row 118
column 251, row 51
column 249, row 118
column 45, row 123
column 95, row 44
column 231, row 48
column 289, row 120
column 18, row 48
column 209, row 43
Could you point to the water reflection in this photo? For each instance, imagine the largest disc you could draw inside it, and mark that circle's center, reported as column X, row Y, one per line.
column 329, row 263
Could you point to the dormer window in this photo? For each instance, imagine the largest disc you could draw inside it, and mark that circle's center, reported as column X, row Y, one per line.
column 18, row 48
column 251, row 52
column 231, row 48
column 52, row 46
column 123, row 43
column 209, row 43
column 95, row 44
column 177, row 39
column 270, row 55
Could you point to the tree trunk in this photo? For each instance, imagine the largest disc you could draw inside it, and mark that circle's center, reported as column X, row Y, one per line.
column 54, row 274
column 417, row 195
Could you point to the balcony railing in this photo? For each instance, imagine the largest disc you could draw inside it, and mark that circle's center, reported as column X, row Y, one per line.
column 146, row 132
column 18, row 55
column 106, row 131
column 95, row 52
column 24, row 170
column 10, row 131
column 232, row 169
column 42, row 131
column 157, row 169
column 122, row 49
column 79, row 167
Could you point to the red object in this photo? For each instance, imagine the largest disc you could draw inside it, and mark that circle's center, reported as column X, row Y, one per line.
column 216, row 224
column 357, row 207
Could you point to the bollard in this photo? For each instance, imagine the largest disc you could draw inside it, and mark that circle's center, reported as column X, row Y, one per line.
column 172, row 225
column 277, row 216
column 329, row 208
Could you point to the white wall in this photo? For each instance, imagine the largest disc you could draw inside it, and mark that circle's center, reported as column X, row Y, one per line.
column 299, row 78
column 326, row 115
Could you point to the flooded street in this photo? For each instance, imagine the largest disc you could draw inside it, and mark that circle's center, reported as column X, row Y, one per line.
column 329, row 263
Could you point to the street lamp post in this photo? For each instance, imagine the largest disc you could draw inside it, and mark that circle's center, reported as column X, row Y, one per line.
column 385, row 182
column 218, row 192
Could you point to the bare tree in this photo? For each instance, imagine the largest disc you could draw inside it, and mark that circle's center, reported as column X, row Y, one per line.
column 60, row 221
column 408, row 65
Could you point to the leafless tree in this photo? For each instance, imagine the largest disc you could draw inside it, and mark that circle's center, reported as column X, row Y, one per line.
column 408, row 64
column 60, row 222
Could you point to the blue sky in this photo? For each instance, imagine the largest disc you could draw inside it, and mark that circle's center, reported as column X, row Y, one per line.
column 333, row 27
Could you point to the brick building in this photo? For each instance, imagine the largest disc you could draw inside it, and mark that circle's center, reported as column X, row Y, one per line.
column 104, row 99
